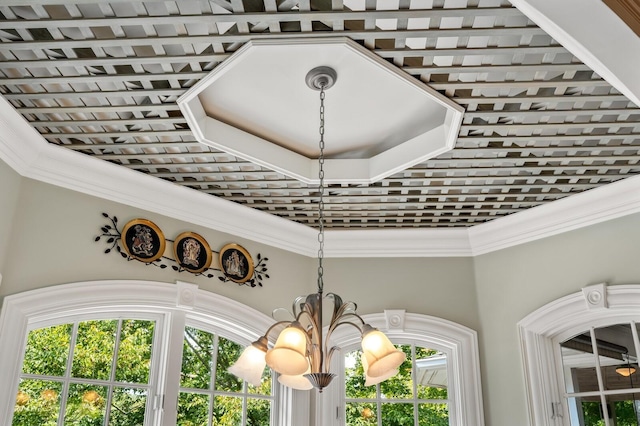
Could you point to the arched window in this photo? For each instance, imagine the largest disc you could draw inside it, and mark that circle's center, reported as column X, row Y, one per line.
column 438, row 385
column 581, row 355
column 129, row 353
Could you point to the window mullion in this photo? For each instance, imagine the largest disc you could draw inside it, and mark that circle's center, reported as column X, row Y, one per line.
column 414, row 381
column 169, row 385
column 212, row 383
column 378, row 405
column 112, row 375
column 65, row 383
column 634, row 333
column 603, row 398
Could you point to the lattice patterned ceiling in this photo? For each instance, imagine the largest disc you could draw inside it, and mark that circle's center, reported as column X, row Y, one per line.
column 102, row 78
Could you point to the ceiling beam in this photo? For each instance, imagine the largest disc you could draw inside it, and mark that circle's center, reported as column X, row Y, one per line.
column 118, row 122
column 557, row 138
column 521, row 84
column 550, row 112
column 160, row 42
column 552, row 187
column 568, row 98
column 469, row 51
column 555, row 126
column 102, row 94
column 219, row 57
column 112, row 61
column 262, row 17
column 123, row 134
column 469, row 172
column 518, row 68
column 458, row 155
column 169, row 106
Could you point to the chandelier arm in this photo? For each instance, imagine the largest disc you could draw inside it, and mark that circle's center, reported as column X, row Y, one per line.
column 270, row 329
column 308, row 309
column 341, row 311
column 296, row 306
column 315, row 330
column 332, row 327
column 350, row 315
column 329, row 357
column 338, row 305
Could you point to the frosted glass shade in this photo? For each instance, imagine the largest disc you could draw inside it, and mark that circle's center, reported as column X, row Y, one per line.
column 288, row 356
column 298, row 382
column 250, row 365
column 382, row 357
column 370, row 381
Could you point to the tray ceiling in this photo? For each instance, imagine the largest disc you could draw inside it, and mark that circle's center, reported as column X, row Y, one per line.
column 102, row 78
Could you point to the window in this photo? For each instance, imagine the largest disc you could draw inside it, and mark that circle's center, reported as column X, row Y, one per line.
column 576, row 352
column 129, row 353
column 600, row 370
column 438, row 384
column 87, row 372
column 204, row 379
column 417, row 395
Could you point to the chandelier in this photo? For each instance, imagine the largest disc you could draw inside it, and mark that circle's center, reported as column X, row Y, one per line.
column 302, row 352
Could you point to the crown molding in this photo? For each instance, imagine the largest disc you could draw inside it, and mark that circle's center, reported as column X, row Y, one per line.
column 587, row 208
column 398, row 243
column 27, row 152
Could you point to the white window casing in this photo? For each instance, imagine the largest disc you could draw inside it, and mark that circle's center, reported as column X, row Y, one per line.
column 172, row 304
column 458, row 342
column 542, row 331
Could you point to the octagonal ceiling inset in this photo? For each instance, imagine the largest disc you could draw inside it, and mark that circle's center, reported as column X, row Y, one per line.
column 378, row 119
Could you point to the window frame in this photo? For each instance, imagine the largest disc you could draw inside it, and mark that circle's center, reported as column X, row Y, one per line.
column 244, row 395
column 174, row 304
column 542, row 331
column 117, row 315
column 458, row 342
column 378, row 400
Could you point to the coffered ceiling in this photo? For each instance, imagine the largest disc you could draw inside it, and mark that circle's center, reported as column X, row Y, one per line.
column 102, row 78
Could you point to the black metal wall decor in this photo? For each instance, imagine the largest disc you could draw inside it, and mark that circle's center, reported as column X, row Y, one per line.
column 142, row 240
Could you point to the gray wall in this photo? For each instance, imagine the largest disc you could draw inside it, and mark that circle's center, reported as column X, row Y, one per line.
column 52, row 242
column 514, row 282
column 441, row 287
column 46, row 238
column 9, row 192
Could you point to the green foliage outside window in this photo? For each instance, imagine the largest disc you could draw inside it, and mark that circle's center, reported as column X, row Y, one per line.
column 99, row 345
column 623, row 411
column 40, row 396
column 393, row 402
column 203, row 385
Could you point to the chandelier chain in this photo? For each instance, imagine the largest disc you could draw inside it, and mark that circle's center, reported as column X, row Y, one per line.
column 321, row 193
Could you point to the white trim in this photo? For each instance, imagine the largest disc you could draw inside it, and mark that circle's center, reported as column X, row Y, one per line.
column 555, row 322
column 23, row 149
column 398, row 243
column 595, row 35
column 27, row 152
column 20, row 311
column 576, row 211
column 457, row 341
